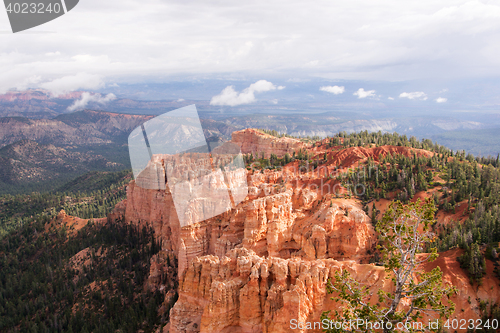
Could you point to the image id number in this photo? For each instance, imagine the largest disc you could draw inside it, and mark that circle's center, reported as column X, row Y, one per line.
column 471, row 324
column 33, row 8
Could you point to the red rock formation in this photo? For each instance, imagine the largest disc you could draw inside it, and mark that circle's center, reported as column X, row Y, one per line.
column 267, row 260
column 257, row 142
column 73, row 223
column 266, row 229
column 244, row 292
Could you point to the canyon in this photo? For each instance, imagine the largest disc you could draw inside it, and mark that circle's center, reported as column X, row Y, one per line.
column 267, row 260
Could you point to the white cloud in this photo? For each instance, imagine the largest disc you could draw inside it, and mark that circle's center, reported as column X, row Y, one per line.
column 274, row 101
column 30, row 82
column 53, row 54
column 441, row 100
column 390, row 98
column 387, row 40
column 65, row 84
column 333, row 89
column 181, row 100
column 231, row 97
column 298, row 80
column 444, row 90
column 418, row 95
column 361, row 93
column 87, row 98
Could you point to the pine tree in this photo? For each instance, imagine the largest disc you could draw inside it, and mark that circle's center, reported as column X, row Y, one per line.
column 400, row 239
column 473, row 261
column 374, row 215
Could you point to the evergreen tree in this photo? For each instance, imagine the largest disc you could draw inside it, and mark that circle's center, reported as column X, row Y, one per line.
column 473, row 261
column 421, row 291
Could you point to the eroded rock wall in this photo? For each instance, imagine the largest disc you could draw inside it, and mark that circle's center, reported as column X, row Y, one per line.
column 256, row 142
column 267, row 260
column 244, row 292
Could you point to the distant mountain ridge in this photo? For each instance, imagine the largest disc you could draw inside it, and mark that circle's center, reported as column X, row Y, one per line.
column 29, row 165
column 36, row 94
column 35, row 103
column 87, row 128
column 79, row 128
column 42, row 104
column 43, row 154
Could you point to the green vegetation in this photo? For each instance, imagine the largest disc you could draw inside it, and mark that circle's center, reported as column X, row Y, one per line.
column 465, row 178
column 97, row 181
column 469, row 184
column 275, row 133
column 365, row 138
column 92, row 195
column 473, row 261
column 489, row 311
column 395, row 173
column 273, row 162
column 113, row 152
column 400, row 238
column 43, row 290
column 45, row 168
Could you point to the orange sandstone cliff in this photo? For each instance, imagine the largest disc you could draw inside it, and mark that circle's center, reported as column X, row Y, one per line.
column 267, row 260
column 256, row 142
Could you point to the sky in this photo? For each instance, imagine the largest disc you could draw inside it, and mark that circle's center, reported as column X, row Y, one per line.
column 104, row 43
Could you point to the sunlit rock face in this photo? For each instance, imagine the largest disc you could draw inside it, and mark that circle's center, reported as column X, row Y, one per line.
column 256, row 142
column 265, row 260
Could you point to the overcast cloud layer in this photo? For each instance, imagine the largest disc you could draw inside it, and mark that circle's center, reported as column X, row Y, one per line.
column 102, row 42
